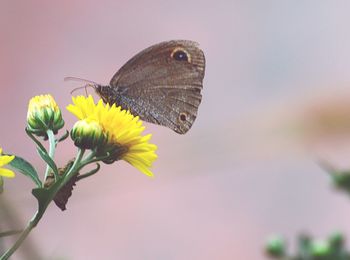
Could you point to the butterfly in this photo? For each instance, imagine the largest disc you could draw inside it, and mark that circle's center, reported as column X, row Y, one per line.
column 162, row 84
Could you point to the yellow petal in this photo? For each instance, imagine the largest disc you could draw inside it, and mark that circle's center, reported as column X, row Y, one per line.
column 7, row 173
column 122, row 128
column 6, row 159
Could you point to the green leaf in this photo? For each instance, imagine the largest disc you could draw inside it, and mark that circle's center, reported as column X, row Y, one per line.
column 63, row 137
column 92, row 172
column 42, row 148
column 48, row 160
column 25, row 168
column 43, row 197
column 46, row 195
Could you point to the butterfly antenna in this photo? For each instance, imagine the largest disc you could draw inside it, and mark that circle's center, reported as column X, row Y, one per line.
column 89, row 83
column 81, row 80
column 84, row 87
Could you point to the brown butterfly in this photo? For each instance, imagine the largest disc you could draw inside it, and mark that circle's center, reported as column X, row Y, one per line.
column 162, row 84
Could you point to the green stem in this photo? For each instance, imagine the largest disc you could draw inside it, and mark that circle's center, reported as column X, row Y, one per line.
column 32, row 223
column 52, row 149
column 38, row 215
column 91, row 159
column 88, row 174
column 77, row 165
column 10, row 233
column 36, row 141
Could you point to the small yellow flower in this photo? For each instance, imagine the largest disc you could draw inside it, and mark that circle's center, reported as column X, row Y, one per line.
column 6, row 159
column 123, row 131
column 44, row 114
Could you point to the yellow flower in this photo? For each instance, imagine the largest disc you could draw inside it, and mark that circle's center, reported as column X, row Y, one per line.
column 44, row 114
column 6, row 159
column 123, row 131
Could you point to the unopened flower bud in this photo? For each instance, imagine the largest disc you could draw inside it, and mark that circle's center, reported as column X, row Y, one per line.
column 43, row 114
column 88, row 134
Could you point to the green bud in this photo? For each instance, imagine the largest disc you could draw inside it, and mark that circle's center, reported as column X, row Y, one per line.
column 88, row 134
column 275, row 246
column 336, row 240
column 43, row 114
column 320, row 248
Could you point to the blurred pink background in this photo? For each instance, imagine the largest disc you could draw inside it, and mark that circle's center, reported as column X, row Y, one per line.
column 244, row 171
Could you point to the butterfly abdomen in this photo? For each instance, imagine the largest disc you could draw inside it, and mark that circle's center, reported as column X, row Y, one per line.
column 117, row 96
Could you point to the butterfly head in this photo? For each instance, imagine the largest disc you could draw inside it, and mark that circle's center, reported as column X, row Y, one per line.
column 106, row 93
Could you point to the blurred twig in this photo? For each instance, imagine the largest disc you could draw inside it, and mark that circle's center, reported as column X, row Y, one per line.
column 10, row 233
column 340, row 178
column 9, row 216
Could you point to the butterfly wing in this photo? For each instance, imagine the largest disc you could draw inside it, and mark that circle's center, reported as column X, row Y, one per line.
column 162, row 84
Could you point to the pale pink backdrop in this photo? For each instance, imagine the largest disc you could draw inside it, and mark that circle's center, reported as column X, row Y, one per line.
column 243, row 171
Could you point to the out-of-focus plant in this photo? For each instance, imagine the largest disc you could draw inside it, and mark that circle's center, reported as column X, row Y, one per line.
column 102, row 134
column 340, row 178
column 332, row 248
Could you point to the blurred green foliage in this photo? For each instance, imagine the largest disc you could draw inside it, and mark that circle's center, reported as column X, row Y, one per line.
column 332, row 248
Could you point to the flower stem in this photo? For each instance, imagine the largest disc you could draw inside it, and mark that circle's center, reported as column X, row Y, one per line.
column 77, row 165
column 31, row 224
column 10, row 233
column 52, row 149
